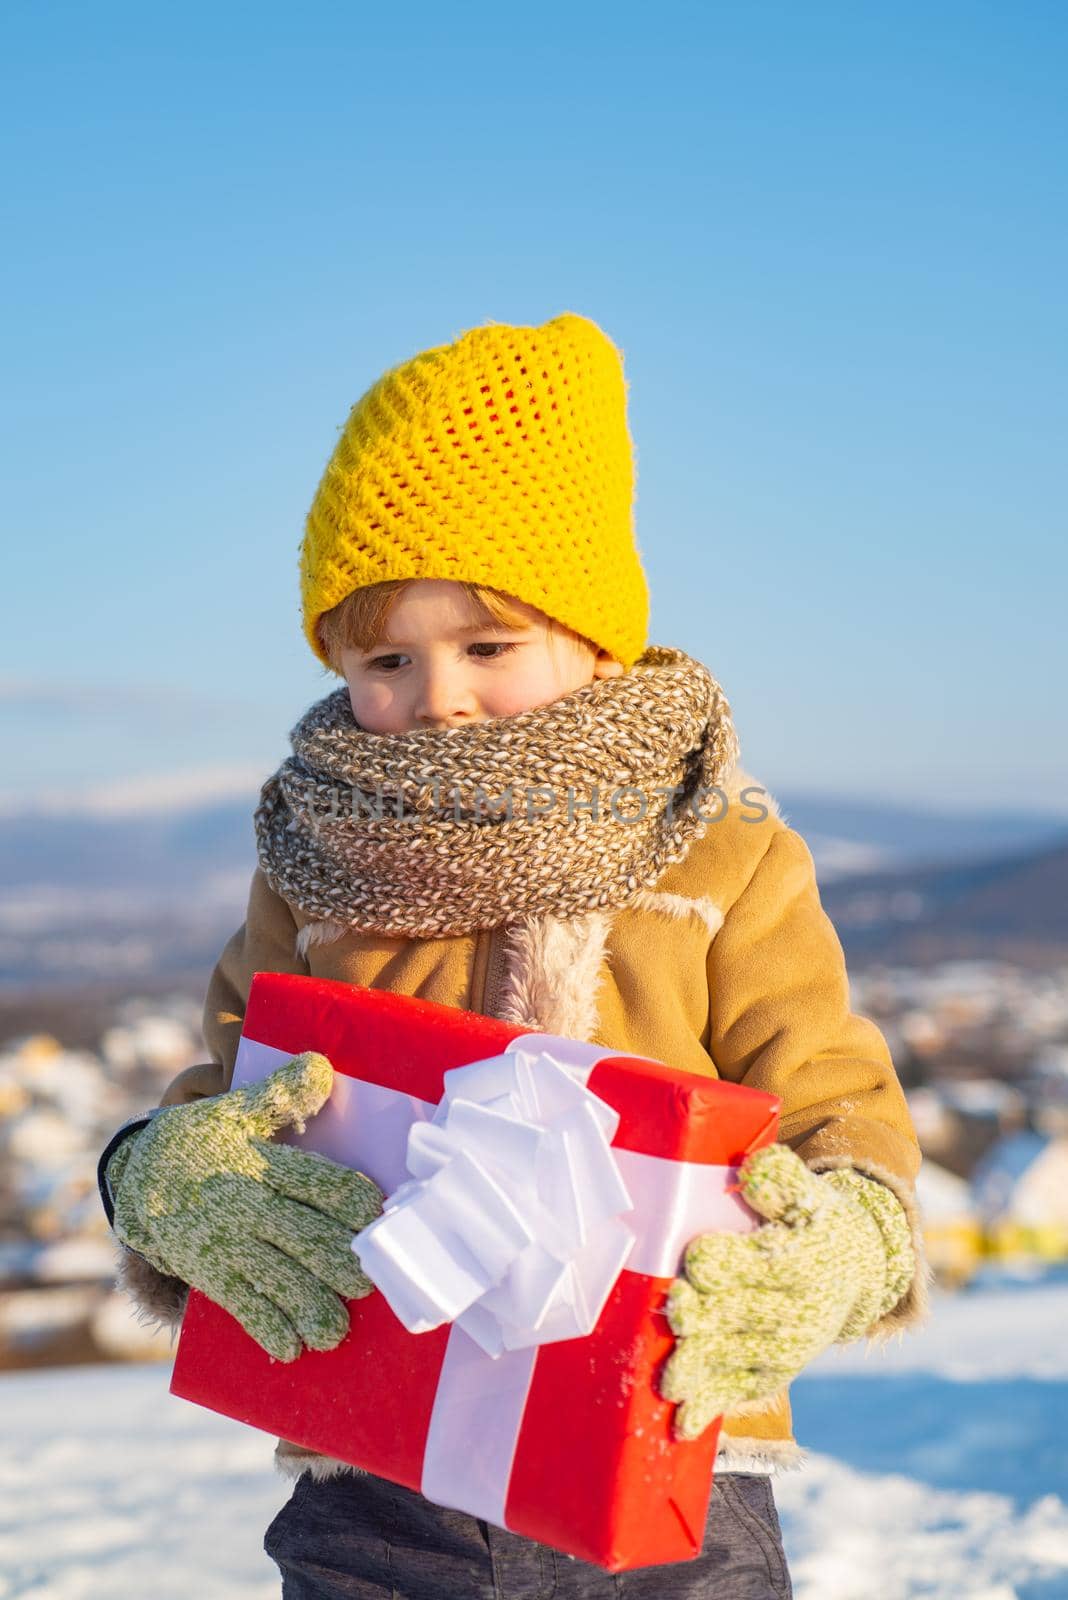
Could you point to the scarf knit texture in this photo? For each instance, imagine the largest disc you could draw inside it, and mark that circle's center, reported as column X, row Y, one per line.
column 410, row 834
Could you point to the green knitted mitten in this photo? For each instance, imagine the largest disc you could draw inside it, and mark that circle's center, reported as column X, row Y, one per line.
column 753, row 1309
column 263, row 1229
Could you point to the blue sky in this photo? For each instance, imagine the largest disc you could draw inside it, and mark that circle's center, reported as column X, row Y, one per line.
column 830, row 240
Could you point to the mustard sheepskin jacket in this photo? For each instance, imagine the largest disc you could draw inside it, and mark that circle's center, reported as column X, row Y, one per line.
column 729, row 967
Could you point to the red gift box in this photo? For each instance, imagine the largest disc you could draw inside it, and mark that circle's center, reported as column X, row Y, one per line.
column 566, row 1442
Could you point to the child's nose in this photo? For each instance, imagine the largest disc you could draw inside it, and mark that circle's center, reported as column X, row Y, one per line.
column 444, row 699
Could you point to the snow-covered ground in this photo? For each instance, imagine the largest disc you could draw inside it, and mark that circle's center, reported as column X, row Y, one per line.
column 938, row 1469
column 939, row 1464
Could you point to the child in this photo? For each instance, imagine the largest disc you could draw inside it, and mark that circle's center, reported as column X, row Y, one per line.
column 469, row 569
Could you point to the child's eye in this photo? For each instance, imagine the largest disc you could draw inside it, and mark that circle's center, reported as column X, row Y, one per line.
column 503, row 648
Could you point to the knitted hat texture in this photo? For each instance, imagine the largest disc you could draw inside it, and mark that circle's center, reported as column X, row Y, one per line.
column 503, row 459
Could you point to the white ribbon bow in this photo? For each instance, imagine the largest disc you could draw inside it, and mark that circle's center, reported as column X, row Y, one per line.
column 509, row 1226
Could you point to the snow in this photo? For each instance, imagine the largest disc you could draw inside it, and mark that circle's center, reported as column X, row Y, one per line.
column 867, row 1536
column 938, row 1465
column 111, row 1486
column 1008, row 1324
column 937, row 1471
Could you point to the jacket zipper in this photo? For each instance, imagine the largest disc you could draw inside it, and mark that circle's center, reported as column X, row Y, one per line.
column 495, row 963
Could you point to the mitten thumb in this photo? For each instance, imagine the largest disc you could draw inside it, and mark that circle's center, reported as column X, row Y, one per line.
column 289, row 1094
column 777, row 1184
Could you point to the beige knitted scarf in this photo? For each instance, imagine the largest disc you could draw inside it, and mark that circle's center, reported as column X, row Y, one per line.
column 571, row 807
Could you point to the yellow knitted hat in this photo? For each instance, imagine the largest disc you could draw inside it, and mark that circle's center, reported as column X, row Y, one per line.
column 502, row 459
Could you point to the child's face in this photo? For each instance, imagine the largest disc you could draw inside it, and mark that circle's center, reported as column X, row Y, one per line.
column 436, row 668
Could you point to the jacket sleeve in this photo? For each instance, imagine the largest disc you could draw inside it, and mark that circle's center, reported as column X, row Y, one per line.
column 781, row 1022
column 265, row 942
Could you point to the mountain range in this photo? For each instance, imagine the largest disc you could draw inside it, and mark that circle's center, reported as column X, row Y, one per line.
column 147, row 898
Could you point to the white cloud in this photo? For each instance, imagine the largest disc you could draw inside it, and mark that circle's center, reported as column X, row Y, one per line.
column 144, row 794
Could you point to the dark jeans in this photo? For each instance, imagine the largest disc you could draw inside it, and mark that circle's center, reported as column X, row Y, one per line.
column 360, row 1538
